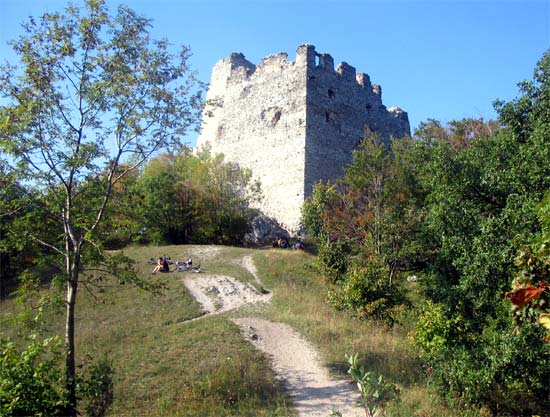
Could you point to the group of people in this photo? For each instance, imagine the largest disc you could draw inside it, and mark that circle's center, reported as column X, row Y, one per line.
column 283, row 243
column 163, row 264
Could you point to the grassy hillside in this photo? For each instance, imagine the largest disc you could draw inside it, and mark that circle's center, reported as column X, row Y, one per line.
column 166, row 366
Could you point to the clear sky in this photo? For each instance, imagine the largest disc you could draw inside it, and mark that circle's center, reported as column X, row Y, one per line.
column 445, row 59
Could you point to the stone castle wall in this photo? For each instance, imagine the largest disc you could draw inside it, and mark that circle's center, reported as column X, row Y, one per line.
column 341, row 107
column 292, row 123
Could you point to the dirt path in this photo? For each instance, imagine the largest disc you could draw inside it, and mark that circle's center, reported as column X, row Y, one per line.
column 314, row 392
column 248, row 263
column 295, row 360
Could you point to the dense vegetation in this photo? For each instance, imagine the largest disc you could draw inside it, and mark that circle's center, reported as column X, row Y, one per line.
column 183, row 198
column 453, row 208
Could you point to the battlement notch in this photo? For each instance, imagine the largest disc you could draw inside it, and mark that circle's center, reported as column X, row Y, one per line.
column 326, row 61
column 273, row 63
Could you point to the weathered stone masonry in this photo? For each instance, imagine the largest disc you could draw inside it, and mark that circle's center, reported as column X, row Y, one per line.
column 293, row 123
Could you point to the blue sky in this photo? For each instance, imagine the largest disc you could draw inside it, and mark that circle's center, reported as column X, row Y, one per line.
column 445, row 59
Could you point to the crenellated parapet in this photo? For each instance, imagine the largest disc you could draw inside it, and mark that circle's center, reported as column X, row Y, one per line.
column 236, row 68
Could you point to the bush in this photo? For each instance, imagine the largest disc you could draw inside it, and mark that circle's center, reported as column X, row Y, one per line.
column 504, row 371
column 365, row 292
column 434, row 331
column 97, row 389
column 31, row 381
column 332, row 259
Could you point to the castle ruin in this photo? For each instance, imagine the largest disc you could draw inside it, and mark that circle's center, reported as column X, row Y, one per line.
column 293, row 123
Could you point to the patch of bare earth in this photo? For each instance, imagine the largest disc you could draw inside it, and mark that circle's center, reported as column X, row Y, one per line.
column 295, row 360
column 220, row 293
column 248, row 263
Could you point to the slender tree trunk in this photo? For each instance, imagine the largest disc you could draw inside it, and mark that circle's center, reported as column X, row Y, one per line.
column 70, row 367
column 72, row 269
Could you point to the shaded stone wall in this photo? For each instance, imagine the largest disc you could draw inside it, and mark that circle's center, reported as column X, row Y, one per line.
column 341, row 106
column 292, row 123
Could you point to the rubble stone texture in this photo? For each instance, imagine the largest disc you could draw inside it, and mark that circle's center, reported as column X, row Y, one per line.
column 293, row 123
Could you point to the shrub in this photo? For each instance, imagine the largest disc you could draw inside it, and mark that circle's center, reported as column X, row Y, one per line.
column 332, row 259
column 97, row 389
column 31, row 381
column 365, row 292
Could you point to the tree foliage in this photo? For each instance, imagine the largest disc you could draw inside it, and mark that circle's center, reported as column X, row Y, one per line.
column 481, row 209
column 368, row 225
column 93, row 98
column 530, row 295
column 224, row 195
column 31, row 380
column 181, row 198
column 165, row 205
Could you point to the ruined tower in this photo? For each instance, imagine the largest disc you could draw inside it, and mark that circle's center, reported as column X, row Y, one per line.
column 293, row 123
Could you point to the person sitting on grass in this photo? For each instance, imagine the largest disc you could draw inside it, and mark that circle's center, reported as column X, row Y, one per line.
column 160, row 265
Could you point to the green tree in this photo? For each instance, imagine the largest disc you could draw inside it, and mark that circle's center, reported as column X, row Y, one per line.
column 322, row 198
column 123, row 223
column 166, row 203
column 92, row 89
column 17, row 253
column 529, row 115
column 369, row 224
column 478, row 215
column 530, row 296
column 186, row 198
column 225, row 192
column 10, row 193
column 481, row 208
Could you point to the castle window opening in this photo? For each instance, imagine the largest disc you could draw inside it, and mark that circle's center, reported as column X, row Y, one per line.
column 330, row 93
column 276, row 117
column 219, row 132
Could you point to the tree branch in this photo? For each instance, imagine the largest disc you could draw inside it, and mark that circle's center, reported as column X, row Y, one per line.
column 48, row 245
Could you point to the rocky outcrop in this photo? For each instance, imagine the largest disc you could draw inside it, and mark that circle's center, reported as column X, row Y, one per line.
column 265, row 230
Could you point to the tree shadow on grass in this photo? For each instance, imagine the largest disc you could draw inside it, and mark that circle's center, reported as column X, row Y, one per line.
column 405, row 371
